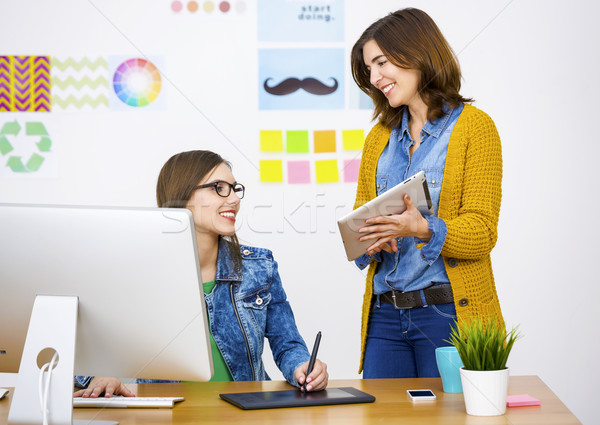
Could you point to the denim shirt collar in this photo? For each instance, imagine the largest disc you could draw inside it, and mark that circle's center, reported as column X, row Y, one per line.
column 435, row 128
column 226, row 270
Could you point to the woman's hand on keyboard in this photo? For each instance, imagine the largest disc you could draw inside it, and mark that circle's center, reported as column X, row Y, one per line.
column 108, row 386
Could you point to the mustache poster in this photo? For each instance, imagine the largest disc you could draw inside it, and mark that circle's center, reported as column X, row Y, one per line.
column 290, row 85
column 291, row 79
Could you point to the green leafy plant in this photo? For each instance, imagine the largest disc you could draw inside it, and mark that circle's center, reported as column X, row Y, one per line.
column 482, row 345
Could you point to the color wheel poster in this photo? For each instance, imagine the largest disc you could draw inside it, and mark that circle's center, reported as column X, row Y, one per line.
column 136, row 83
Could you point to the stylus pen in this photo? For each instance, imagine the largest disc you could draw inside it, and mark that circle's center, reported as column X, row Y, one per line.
column 313, row 358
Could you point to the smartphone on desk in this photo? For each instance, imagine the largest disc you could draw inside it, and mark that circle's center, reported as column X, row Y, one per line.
column 421, row 395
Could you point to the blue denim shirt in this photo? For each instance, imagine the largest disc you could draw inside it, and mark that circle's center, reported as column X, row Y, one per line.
column 413, row 268
column 244, row 307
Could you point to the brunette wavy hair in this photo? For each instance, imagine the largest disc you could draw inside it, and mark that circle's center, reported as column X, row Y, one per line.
column 179, row 177
column 410, row 39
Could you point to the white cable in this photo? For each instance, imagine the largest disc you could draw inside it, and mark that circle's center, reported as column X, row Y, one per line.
column 47, row 389
column 44, row 396
column 41, row 393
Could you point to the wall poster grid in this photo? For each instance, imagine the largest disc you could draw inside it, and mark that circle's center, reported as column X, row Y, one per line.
column 291, row 78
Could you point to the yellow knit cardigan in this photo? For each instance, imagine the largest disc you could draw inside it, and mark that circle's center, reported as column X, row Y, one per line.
column 469, row 205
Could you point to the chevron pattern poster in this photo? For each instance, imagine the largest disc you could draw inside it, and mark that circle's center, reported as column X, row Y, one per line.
column 25, row 84
column 79, row 83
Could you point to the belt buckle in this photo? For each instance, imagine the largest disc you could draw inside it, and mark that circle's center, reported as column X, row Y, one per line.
column 396, row 305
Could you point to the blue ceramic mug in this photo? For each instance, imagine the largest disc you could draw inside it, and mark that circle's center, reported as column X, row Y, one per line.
column 449, row 364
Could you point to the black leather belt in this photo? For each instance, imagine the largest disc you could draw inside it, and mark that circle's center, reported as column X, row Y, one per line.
column 436, row 294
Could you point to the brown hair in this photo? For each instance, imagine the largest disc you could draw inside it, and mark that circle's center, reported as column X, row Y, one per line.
column 179, row 177
column 410, row 39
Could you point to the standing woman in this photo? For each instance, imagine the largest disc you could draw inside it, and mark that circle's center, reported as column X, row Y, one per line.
column 424, row 271
column 245, row 299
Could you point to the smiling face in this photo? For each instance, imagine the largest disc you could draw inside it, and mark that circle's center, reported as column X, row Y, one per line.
column 399, row 85
column 214, row 215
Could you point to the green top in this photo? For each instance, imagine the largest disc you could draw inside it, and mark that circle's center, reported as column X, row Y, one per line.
column 221, row 370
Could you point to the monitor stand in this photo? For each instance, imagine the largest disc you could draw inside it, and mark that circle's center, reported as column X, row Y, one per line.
column 52, row 329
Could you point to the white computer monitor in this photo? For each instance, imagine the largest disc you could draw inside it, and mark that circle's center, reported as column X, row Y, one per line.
column 118, row 292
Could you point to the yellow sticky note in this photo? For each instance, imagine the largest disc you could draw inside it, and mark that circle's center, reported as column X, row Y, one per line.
column 271, row 170
column 327, row 171
column 353, row 140
column 271, row 141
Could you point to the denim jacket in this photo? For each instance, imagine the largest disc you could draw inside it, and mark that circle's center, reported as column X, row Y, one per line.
column 244, row 307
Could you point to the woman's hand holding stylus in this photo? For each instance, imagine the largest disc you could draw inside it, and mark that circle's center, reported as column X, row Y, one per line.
column 316, row 380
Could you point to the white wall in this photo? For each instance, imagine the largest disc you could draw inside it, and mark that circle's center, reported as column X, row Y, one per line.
column 532, row 65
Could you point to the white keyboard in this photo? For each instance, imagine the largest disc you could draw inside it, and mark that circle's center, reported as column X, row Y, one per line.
column 120, row 402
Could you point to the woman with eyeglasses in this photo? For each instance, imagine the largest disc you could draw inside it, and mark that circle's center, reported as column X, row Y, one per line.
column 243, row 291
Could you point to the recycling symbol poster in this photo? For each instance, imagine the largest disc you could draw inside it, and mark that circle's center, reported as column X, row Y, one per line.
column 27, row 149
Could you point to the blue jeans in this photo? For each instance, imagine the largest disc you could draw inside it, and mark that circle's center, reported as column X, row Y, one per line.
column 401, row 343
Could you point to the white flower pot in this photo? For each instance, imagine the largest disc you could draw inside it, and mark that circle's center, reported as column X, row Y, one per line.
column 485, row 391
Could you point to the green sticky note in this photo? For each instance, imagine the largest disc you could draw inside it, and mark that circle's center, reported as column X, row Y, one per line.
column 327, row 171
column 271, row 170
column 297, row 141
column 353, row 140
column 271, row 141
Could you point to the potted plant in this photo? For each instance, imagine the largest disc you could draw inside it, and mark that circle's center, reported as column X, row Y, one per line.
column 483, row 347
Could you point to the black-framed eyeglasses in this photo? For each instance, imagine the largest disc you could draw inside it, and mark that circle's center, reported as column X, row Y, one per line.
column 224, row 188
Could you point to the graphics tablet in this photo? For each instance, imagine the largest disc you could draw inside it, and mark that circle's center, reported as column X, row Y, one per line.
column 388, row 203
column 297, row 398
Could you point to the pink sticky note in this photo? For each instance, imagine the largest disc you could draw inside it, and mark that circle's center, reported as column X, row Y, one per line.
column 351, row 167
column 298, row 172
column 522, row 400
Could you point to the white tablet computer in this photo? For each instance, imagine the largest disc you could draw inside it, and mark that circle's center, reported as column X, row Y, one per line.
column 388, row 203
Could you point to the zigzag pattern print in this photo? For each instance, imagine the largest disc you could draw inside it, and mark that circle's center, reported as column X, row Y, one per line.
column 78, row 84
column 25, row 83
column 5, row 86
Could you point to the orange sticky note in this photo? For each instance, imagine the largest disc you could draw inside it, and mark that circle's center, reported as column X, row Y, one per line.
column 324, row 141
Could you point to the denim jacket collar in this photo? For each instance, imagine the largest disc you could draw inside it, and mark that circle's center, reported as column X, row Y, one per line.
column 435, row 128
column 226, row 270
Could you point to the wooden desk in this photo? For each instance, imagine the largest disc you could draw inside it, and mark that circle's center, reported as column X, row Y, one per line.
column 204, row 406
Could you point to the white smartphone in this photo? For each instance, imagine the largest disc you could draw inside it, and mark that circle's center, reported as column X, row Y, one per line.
column 418, row 395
